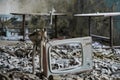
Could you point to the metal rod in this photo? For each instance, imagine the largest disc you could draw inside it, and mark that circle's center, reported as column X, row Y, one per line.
column 101, row 37
column 0, row 20
column 33, row 58
column 51, row 18
column 108, row 47
column 115, row 47
column 56, row 32
column 89, row 24
column 23, row 27
column 111, row 31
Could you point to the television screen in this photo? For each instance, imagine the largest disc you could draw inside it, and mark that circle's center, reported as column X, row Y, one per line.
column 67, row 56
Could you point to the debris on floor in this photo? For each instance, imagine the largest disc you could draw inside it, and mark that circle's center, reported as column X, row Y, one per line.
column 16, row 64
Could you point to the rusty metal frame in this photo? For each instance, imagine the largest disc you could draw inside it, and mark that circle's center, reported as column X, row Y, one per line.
column 110, row 38
column 39, row 14
column 110, row 15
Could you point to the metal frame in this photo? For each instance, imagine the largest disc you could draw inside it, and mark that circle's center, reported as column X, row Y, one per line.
column 39, row 14
column 110, row 15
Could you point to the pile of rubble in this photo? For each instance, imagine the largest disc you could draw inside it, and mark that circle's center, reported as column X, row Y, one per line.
column 16, row 64
column 17, row 59
column 103, row 70
column 106, row 63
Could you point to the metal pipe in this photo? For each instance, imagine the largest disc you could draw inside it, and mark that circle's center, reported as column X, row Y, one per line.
column 101, row 37
column 56, row 32
column 51, row 17
column 23, row 27
column 89, row 24
column 111, row 32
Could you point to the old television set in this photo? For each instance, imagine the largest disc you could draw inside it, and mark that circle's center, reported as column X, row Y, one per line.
column 67, row 56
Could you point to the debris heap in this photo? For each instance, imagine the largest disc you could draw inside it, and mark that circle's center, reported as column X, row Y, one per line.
column 16, row 64
column 17, row 59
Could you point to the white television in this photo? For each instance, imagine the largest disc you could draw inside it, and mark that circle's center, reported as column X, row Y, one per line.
column 67, row 56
